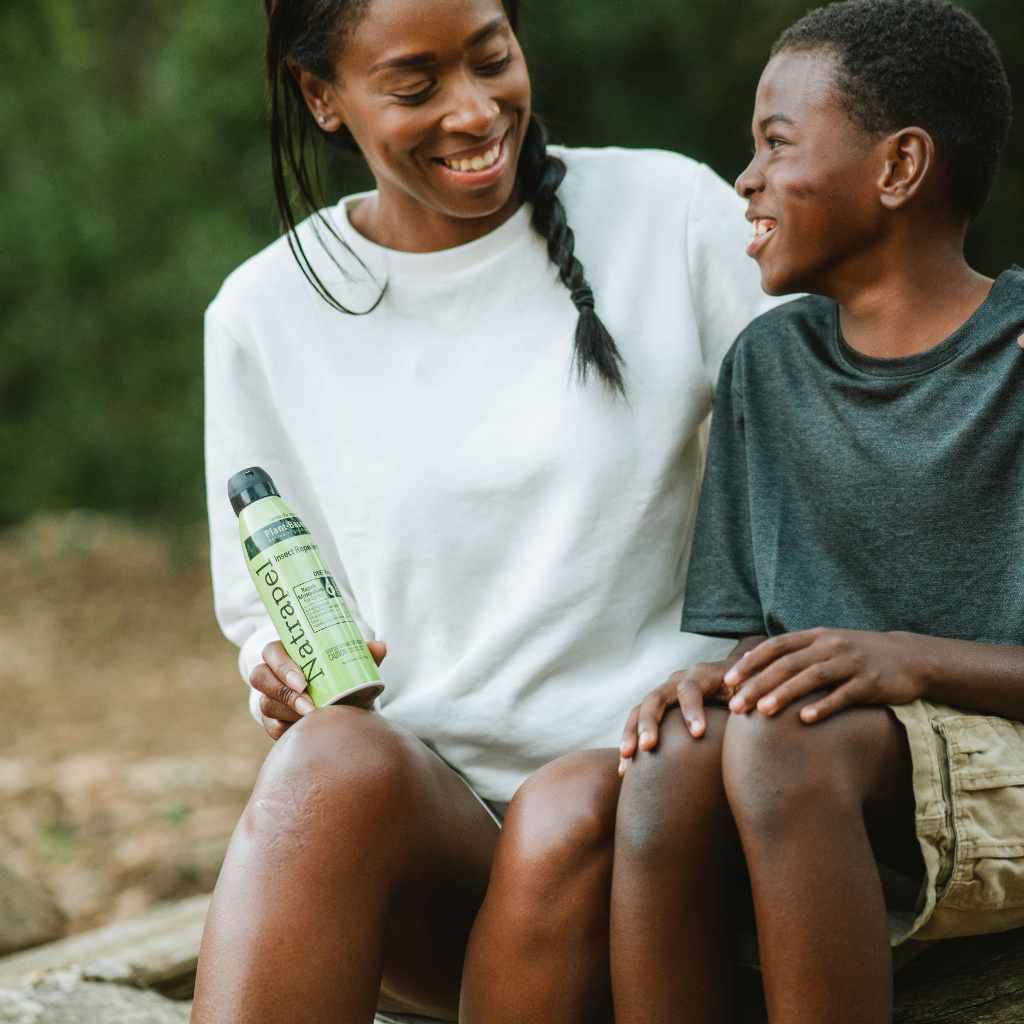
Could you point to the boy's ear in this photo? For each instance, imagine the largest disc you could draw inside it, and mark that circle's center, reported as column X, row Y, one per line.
column 909, row 156
column 320, row 98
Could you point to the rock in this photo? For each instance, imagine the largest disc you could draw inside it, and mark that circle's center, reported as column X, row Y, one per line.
column 65, row 998
column 157, row 950
column 29, row 915
column 84, row 893
column 18, row 777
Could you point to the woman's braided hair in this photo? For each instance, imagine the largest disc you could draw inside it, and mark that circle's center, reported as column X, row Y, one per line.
column 540, row 174
column 306, row 33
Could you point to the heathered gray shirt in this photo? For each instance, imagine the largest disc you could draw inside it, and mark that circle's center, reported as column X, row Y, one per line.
column 863, row 493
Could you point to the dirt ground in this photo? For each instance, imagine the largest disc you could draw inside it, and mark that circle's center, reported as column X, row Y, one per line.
column 128, row 751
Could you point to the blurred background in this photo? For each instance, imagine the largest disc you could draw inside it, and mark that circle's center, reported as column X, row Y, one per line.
column 135, row 176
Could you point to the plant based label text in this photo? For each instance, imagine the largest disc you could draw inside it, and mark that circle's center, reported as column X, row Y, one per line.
column 273, row 533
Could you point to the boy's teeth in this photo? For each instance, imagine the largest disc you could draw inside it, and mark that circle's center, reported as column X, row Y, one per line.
column 476, row 163
column 762, row 226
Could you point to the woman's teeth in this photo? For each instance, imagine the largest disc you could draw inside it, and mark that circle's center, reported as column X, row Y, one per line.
column 476, row 163
column 763, row 226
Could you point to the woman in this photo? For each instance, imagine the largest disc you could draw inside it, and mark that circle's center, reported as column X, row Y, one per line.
column 516, row 531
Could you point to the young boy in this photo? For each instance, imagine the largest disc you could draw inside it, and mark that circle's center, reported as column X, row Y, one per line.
column 863, row 508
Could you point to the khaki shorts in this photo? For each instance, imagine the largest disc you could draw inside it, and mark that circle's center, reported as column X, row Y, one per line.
column 969, row 790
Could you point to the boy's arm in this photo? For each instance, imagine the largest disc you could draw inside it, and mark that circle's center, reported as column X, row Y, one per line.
column 982, row 677
column 860, row 667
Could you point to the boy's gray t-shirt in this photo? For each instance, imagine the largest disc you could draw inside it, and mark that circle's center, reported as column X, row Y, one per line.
column 860, row 493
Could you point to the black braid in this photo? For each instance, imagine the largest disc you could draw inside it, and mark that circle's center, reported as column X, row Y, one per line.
column 540, row 174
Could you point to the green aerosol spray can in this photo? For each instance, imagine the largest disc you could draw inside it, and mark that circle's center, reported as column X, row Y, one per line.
column 300, row 594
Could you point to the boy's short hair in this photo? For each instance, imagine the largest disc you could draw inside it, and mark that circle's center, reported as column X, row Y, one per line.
column 925, row 63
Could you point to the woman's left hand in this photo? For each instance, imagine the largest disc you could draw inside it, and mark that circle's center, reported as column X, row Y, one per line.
column 858, row 667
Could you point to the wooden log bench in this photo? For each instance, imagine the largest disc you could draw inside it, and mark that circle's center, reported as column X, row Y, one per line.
column 158, row 950
column 966, row 981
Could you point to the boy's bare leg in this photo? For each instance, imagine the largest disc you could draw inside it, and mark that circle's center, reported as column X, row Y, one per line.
column 539, row 948
column 801, row 796
column 354, row 876
column 675, row 854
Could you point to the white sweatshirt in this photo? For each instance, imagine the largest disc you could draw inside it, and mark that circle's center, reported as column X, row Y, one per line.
column 518, row 540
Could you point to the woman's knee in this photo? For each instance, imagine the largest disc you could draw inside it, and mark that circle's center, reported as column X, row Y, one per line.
column 561, row 820
column 550, row 880
column 338, row 766
column 670, row 791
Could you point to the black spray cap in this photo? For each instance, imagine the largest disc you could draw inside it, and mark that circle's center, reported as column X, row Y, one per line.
column 250, row 485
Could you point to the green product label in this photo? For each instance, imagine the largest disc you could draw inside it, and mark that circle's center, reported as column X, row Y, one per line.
column 306, row 605
column 273, row 533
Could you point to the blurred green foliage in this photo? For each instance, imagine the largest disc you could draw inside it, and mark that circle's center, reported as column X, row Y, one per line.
column 135, row 176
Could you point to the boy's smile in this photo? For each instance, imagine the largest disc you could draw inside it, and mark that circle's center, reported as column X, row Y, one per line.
column 764, row 227
column 811, row 186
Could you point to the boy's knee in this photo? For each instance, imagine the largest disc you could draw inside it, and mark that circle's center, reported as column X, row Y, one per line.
column 778, row 772
column 672, row 790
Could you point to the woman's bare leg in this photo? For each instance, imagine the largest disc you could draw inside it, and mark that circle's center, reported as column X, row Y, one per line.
column 802, row 797
column 539, row 949
column 353, row 878
column 676, row 856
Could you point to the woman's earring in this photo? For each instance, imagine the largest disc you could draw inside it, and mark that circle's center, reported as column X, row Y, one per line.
column 322, row 119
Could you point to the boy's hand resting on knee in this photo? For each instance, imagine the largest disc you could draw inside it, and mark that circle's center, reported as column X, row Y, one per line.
column 858, row 667
column 282, row 686
column 691, row 689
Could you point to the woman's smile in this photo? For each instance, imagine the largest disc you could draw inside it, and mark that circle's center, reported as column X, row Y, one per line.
column 439, row 107
column 478, row 166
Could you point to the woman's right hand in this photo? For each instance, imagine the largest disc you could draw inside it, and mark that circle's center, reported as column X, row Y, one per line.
column 690, row 689
column 282, row 687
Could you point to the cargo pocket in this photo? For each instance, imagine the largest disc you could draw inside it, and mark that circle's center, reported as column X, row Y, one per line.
column 986, row 795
